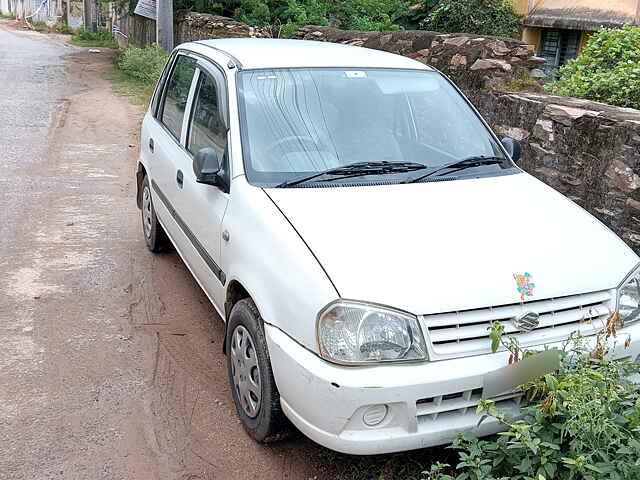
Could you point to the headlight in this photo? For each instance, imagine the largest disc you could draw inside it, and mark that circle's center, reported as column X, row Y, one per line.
column 358, row 333
column 629, row 298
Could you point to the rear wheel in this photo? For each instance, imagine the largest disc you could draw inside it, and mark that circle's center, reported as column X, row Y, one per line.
column 153, row 232
column 253, row 387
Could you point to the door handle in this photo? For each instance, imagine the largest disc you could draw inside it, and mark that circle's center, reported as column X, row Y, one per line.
column 151, row 144
column 180, row 178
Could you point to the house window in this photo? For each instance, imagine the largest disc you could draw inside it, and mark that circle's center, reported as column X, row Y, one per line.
column 558, row 46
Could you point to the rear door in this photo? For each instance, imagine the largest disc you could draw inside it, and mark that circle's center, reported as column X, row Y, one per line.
column 203, row 206
column 167, row 156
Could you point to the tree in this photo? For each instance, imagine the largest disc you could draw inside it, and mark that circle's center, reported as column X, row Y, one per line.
column 608, row 70
column 483, row 17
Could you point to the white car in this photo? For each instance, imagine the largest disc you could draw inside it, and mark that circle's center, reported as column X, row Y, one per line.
column 358, row 227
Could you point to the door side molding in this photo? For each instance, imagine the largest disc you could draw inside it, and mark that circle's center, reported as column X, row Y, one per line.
column 213, row 266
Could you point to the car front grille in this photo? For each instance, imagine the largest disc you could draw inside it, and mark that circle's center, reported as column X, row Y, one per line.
column 460, row 403
column 465, row 333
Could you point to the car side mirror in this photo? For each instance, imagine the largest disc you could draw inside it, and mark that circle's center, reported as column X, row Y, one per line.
column 513, row 148
column 206, row 166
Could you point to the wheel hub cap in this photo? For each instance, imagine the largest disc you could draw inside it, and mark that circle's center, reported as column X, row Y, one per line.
column 146, row 212
column 245, row 371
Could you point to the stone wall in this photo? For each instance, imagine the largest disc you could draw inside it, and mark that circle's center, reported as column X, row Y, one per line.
column 191, row 26
column 473, row 61
column 587, row 150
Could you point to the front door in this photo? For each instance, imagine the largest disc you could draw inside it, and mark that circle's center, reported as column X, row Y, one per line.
column 203, row 206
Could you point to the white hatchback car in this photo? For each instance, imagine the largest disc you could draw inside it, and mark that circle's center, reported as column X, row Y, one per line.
column 358, row 226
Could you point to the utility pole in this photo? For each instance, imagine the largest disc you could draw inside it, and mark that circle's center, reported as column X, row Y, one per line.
column 164, row 24
column 87, row 14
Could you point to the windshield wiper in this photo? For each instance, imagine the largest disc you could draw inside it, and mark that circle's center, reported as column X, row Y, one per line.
column 356, row 170
column 458, row 165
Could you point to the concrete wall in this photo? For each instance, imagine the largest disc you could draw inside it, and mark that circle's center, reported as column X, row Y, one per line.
column 587, row 150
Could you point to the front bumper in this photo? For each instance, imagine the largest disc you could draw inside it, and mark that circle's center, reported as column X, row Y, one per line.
column 428, row 403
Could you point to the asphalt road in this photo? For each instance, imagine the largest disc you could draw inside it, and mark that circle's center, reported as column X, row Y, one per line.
column 110, row 357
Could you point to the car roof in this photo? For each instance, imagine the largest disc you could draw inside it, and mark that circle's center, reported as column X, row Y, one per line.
column 252, row 53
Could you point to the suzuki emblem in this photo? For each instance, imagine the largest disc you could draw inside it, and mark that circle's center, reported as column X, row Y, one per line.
column 527, row 321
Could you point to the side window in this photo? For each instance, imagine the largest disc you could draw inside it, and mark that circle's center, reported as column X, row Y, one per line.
column 175, row 100
column 207, row 129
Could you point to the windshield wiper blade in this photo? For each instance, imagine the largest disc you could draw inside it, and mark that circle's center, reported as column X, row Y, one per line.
column 356, row 170
column 458, row 165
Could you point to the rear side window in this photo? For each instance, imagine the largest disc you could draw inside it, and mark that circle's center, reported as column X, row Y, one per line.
column 177, row 92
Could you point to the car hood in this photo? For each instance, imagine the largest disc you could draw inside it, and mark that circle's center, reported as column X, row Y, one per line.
column 454, row 245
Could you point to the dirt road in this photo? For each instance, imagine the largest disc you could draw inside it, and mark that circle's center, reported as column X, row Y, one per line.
column 110, row 357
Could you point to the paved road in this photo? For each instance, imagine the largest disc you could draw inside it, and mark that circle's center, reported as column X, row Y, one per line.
column 110, row 357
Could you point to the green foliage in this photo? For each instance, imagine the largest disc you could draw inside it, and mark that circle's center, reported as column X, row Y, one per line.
column 137, row 72
column 101, row 38
column 64, row 28
column 7, row 16
column 39, row 26
column 143, row 64
column 608, row 70
column 483, row 17
column 285, row 16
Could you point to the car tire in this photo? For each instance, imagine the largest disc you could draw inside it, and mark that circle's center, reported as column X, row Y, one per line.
column 154, row 234
column 253, row 387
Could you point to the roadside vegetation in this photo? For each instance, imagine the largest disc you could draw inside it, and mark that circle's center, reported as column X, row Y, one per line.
column 9, row 16
column 284, row 17
column 101, row 38
column 39, row 26
column 608, row 70
column 493, row 17
column 137, row 71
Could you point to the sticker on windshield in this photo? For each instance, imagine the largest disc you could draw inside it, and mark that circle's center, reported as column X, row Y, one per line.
column 525, row 285
column 266, row 77
column 356, row 74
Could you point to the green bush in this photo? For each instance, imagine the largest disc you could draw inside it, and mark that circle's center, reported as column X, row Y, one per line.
column 100, row 38
column 64, row 28
column 608, row 70
column 582, row 423
column 483, row 17
column 285, row 16
column 39, row 26
column 143, row 64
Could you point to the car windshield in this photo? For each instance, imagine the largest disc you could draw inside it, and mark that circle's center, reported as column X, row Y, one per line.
column 297, row 122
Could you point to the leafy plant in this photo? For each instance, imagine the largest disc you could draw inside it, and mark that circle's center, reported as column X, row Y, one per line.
column 143, row 64
column 484, row 17
column 64, row 28
column 286, row 16
column 137, row 72
column 39, row 26
column 101, row 38
column 608, row 70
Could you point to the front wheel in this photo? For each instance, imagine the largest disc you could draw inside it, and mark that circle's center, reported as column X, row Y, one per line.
column 253, row 387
